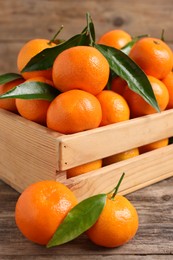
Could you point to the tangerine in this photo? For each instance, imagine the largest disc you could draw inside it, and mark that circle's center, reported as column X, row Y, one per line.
column 153, row 146
column 117, row 224
column 168, row 81
column 121, row 156
column 115, row 38
column 118, row 85
column 114, row 107
column 74, row 111
column 9, row 103
column 28, row 51
column 41, row 208
column 81, row 169
column 81, row 67
column 139, row 107
column 153, row 55
column 34, row 109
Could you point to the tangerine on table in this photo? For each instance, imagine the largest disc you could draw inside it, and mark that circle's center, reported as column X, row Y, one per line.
column 168, row 81
column 34, row 109
column 154, row 145
column 81, row 169
column 81, row 67
column 121, row 156
column 139, row 107
column 114, row 107
column 115, row 38
column 117, row 224
column 41, row 208
column 28, row 51
column 154, row 56
column 74, row 111
column 9, row 103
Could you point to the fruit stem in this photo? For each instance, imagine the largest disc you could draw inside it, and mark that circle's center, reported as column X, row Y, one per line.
column 56, row 34
column 162, row 35
column 115, row 190
column 140, row 36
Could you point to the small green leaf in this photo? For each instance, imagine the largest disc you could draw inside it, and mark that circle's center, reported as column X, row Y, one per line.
column 8, row 77
column 127, row 69
column 32, row 90
column 78, row 220
column 91, row 29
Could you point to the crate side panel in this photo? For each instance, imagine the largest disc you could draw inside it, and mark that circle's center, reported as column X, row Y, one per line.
column 28, row 152
column 105, row 141
column 139, row 171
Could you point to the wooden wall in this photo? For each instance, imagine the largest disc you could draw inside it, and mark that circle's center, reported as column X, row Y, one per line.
column 22, row 20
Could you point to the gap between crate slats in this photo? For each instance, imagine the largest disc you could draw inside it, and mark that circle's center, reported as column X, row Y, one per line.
column 139, row 171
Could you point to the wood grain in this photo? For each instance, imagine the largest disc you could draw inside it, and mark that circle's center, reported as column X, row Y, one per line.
column 135, row 16
column 23, row 20
column 139, row 171
column 154, row 239
column 104, row 141
column 28, row 151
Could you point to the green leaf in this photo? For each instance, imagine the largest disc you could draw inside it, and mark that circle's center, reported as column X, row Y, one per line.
column 45, row 59
column 78, row 220
column 8, row 77
column 127, row 69
column 90, row 29
column 32, row 90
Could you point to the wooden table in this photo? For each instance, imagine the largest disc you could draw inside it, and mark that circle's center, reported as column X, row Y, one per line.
column 153, row 241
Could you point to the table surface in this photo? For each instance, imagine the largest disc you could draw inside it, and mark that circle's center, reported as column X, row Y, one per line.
column 154, row 239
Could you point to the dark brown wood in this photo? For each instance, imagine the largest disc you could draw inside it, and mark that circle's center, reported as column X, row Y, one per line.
column 154, row 239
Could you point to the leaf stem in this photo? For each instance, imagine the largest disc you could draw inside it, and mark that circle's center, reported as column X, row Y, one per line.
column 140, row 36
column 115, row 190
column 56, row 34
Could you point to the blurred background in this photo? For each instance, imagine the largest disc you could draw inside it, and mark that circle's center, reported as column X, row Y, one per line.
column 22, row 20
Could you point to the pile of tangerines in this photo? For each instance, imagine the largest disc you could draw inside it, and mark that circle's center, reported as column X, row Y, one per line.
column 86, row 101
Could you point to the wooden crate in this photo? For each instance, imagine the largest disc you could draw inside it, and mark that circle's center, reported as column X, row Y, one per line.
column 30, row 152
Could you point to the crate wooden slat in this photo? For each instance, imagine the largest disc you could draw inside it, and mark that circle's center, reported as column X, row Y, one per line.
column 140, row 172
column 104, row 141
column 30, row 152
